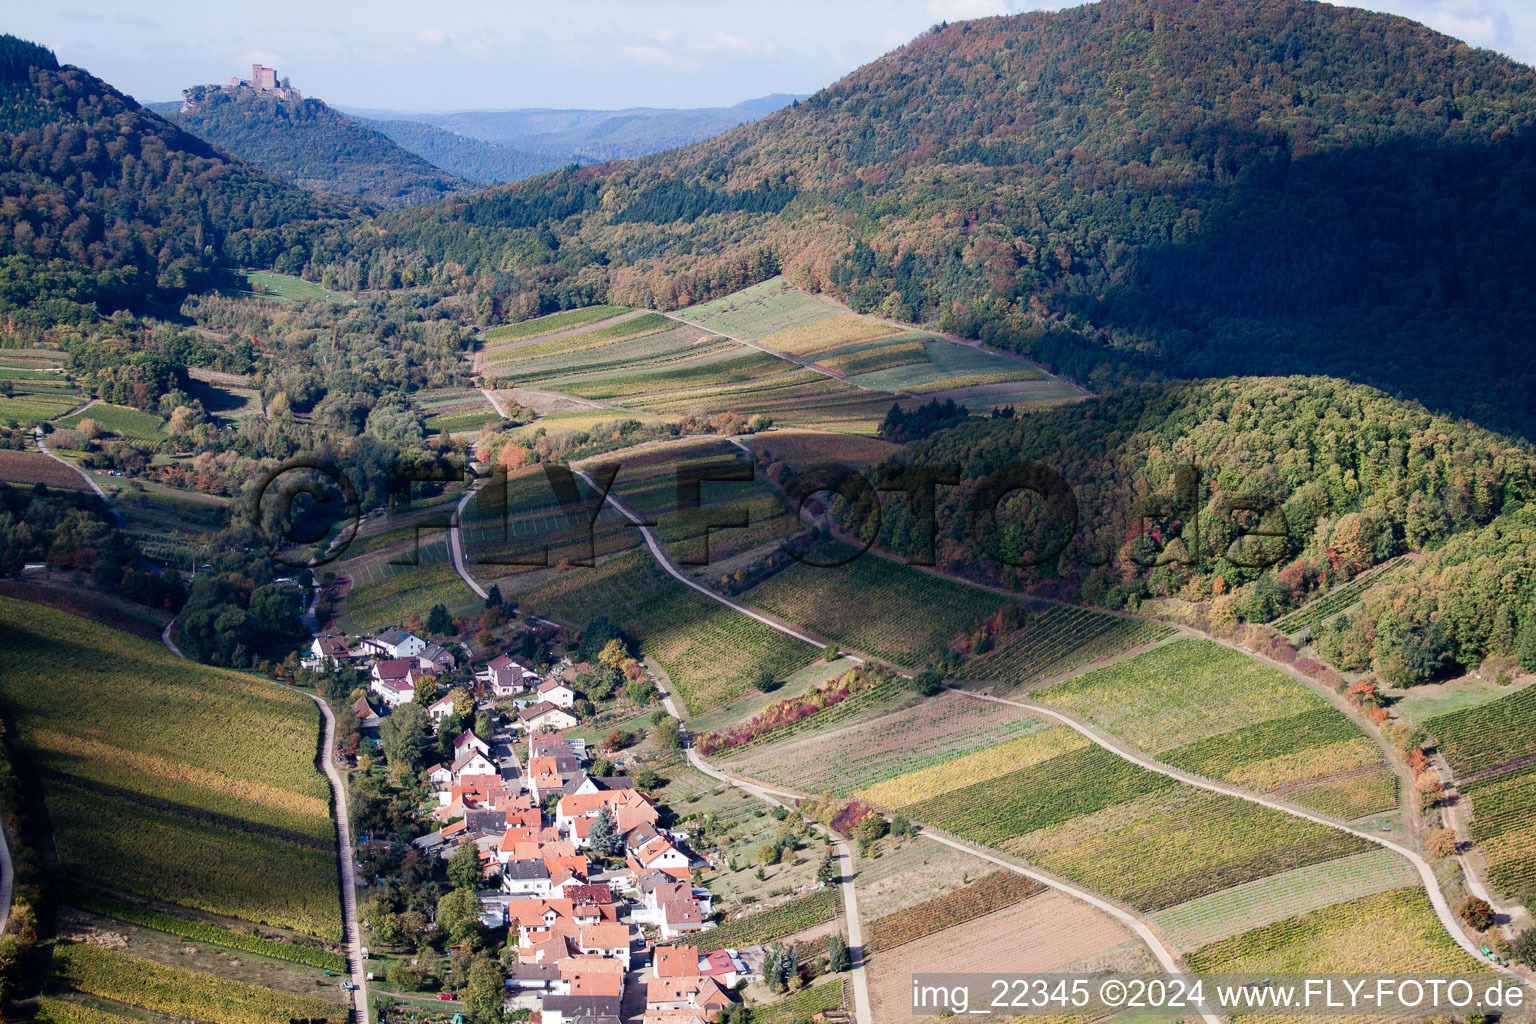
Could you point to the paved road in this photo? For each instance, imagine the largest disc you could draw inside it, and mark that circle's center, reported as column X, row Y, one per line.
column 456, row 541
column 344, row 845
column 7, row 880
column 1426, row 873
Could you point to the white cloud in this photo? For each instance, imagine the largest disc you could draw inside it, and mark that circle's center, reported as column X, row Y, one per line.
column 432, row 37
column 1479, row 22
column 964, row 10
column 266, row 58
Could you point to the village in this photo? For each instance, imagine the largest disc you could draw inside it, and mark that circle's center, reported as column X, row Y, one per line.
column 603, row 917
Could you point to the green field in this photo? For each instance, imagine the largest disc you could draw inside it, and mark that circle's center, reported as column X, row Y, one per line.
column 875, row 605
column 153, row 791
column 948, row 365
column 710, row 652
column 1489, row 736
column 553, row 322
column 268, row 284
column 758, row 311
column 121, row 420
column 39, row 399
column 1503, row 823
column 1393, row 931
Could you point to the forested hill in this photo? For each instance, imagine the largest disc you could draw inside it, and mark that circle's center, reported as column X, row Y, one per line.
column 1126, row 189
column 108, row 204
column 312, row 146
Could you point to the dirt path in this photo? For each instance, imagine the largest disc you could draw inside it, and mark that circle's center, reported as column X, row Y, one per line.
column 7, row 879
column 90, row 481
column 1426, row 873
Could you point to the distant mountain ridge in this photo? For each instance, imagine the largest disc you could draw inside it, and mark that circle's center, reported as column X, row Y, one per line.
column 306, row 143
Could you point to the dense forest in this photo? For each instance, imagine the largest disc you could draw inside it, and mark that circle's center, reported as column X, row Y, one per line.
column 1249, row 494
column 1128, row 189
column 108, row 206
column 308, row 144
column 468, row 158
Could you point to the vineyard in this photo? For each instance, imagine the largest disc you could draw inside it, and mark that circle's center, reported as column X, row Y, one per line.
column 1336, row 600
column 161, row 988
column 875, row 605
column 511, row 529
column 29, row 468
column 1489, row 736
column 1503, row 823
column 758, row 311
column 710, row 652
column 456, row 410
column 948, row 366
column 829, row 332
column 152, row 791
column 512, row 360
column 384, row 592
column 1181, row 693
column 1055, row 640
column 59, row 1011
column 121, row 420
column 980, row 767
column 797, row 739
column 1393, row 931
column 202, row 931
column 949, row 726
column 1216, row 712
column 34, row 399
column 859, row 359
column 803, row 1005
column 988, row 893
column 1280, row 896
column 787, row 918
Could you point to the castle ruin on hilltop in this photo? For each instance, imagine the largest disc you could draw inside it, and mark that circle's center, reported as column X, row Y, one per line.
column 265, row 81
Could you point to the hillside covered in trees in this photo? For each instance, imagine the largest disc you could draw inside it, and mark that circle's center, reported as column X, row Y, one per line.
column 1127, row 189
column 306, row 143
column 110, row 207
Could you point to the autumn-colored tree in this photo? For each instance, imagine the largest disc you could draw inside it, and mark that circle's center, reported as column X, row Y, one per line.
column 1478, row 914
column 1441, row 843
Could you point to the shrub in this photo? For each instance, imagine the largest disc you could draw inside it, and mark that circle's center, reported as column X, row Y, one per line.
column 1478, row 914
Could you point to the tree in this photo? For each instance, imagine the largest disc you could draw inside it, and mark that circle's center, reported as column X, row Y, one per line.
column 464, row 867
column 838, row 959
column 769, row 853
column 1441, row 843
column 602, row 768
column 829, row 652
column 641, row 692
column 827, row 870
column 1425, row 653
column 439, row 621
column 493, row 596
column 485, row 993
column 604, row 837
column 425, row 691
column 1478, row 914
column 402, row 735
column 463, row 703
column 668, row 735
column 458, row 914
column 928, row 682
column 1525, row 647
column 484, row 727
column 870, row 827
column 1523, row 948
column 765, row 680
column 646, row 780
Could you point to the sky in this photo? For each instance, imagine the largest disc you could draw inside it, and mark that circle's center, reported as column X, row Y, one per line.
column 605, row 54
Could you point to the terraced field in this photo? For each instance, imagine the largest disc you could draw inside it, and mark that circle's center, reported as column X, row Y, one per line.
column 1492, row 750
column 543, row 325
column 1214, row 711
column 35, row 398
column 871, row 604
column 152, row 791
column 385, row 592
column 710, row 652
column 458, row 410
column 1055, row 640
column 874, row 750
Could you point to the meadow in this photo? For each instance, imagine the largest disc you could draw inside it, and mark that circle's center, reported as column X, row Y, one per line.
column 163, row 989
column 35, row 399
column 710, row 653
column 268, row 284
column 874, row 605
column 154, row 791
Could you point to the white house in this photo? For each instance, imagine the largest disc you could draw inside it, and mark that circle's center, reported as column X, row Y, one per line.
column 473, row 763
column 556, row 692
column 441, row 708
column 466, row 741
column 328, row 650
column 509, row 676
column 544, row 715
column 396, row 643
